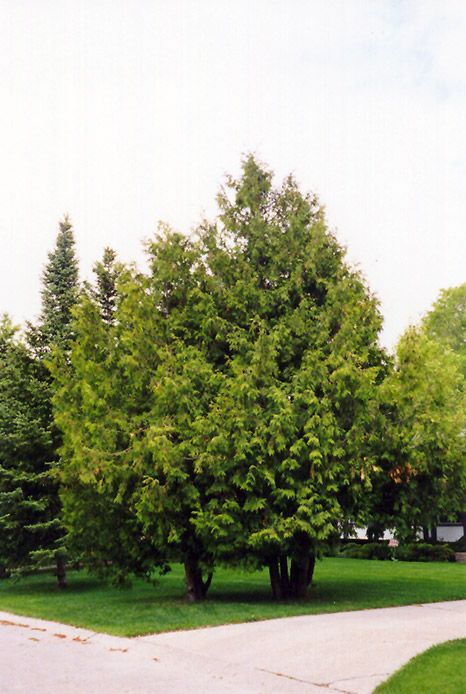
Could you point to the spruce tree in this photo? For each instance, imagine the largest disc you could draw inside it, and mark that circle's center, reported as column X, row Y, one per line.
column 51, row 340
column 28, row 511
column 60, row 290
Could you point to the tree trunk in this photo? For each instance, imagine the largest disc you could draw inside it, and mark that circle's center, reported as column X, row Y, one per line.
column 60, row 571
column 207, row 582
column 301, row 573
column 275, row 581
column 196, row 587
column 284, row 577
column 293, row 584
column 310, row 568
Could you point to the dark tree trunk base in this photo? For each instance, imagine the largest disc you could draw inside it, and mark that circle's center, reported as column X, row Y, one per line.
column 196, row 587
column 60, row 572
column 275, row 582
column 292, row 584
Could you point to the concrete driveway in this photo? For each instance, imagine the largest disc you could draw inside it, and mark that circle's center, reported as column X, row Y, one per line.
column 348, row 652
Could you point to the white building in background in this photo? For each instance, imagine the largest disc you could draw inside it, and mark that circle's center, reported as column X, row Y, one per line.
column 446, row 532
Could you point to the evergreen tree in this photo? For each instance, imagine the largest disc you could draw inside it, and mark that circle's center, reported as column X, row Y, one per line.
column 228, row 409
column 127, row 407
column 287, row 439
column 107, row 272
column 97, row 408
column 28, row 510
column 52, row 336
column 60, row 290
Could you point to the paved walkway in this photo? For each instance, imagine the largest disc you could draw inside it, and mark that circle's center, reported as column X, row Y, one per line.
column 348, row 652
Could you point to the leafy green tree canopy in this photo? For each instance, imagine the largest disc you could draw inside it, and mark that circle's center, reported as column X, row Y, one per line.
column 446, row 321
column 421, row 439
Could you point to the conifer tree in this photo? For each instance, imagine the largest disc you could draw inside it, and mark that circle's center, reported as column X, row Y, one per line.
column 229, row 407
column 51, row 339
column 127, row 406
column 287, row 437
column 96, row 409
column 60, row 288
column 28, row 511
column 107, row 272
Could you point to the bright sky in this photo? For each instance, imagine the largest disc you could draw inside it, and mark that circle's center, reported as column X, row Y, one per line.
column 125, row 112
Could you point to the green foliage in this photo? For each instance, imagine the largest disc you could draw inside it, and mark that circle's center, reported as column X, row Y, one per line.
column 368, row 550
column 446, row 322
column 286, row 438
column 420, row 429
column 107, row 272
column 60, row 292
column 422, row 551
column 53, row 333
column 225, row 405
column 458, row 545
column 28, row 493
column 126, row 404
column 90, row 403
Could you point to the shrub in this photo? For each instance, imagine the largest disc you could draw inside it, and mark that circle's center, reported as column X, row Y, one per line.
column 422, row 551
column 369, row 550
column 459, row 545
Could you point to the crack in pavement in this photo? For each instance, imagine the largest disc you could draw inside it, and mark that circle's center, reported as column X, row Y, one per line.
column 296, row 679
column 178, row 655
column 335, row 685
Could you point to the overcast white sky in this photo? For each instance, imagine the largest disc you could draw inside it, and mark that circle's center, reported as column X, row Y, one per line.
column 126, row 112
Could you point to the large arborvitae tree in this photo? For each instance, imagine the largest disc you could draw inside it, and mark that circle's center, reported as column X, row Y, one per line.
column 287, row 440
column 226, row 405
column 127, row 406
column 97, row 407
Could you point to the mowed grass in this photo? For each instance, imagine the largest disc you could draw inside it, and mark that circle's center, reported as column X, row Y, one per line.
column 235, row 596
column 440, row 669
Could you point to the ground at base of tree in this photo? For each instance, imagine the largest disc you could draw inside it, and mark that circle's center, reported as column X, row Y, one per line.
column 440, row 669
column 235, row 596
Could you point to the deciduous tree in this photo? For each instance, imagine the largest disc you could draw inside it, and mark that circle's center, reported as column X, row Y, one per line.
column 420, row 441
column 446, row 322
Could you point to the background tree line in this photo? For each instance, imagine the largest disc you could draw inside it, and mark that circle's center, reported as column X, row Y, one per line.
column 232, row 405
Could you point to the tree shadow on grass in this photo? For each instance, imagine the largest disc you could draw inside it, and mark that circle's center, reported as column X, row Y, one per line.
column 47, row 585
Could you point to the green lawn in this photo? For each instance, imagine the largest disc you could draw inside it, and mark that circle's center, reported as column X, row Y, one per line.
column 235, row 596
column 441, row 669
